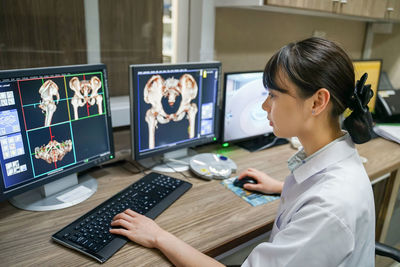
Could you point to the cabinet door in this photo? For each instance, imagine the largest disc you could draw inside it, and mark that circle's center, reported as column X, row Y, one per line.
column 350, row 7
column 374, row 8
column 393, row 10
column 363, row 8
column 320, row 5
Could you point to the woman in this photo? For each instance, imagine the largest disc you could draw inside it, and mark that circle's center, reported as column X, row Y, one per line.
column 326, row 215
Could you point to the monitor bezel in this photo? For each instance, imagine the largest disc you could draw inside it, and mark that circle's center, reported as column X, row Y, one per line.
column 133, row 70
column 222, row 138
column 48, row 71
column 379, row 77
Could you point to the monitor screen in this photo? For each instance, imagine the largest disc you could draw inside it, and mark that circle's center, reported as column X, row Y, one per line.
column 173, row 106
column 373, row 68
column 53, row 122
column 244, row 117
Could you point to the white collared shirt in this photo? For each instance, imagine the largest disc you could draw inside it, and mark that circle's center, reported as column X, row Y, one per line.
column 326, row 216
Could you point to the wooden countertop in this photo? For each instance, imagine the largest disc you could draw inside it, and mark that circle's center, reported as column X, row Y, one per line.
column 209, row 217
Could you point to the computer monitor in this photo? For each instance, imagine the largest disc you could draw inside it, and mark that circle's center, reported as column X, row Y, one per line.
column 54, row 122
column 373, row 68
column 173, row 107
column 245, row 122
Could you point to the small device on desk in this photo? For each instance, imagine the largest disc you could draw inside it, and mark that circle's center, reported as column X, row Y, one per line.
column 245, row 180
column 149, row 196
column 212, row 166
column 388, row 106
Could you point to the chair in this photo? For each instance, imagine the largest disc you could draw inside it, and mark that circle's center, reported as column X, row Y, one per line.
column 387, row 251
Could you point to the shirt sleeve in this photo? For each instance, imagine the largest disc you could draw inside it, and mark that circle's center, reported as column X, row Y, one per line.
column 313, row 237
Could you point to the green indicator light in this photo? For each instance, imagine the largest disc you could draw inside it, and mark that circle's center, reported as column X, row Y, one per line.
column 86, row 160
column 215, row 138
column 111, row 157
column 225, row 144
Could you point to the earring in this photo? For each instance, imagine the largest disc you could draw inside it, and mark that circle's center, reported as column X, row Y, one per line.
column 313, row 112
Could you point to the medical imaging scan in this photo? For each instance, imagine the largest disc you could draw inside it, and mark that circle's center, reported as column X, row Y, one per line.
column 86, row 92
column 47, row 92
column 44, row 124
column 53, row 151
column 173, row 105
column 244, row 116
column 156, row 89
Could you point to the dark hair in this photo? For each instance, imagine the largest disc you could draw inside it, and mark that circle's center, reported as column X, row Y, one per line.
column 316, row 63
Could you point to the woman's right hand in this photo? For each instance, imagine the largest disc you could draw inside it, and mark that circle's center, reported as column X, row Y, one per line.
column 138, row 228
column 265, row 183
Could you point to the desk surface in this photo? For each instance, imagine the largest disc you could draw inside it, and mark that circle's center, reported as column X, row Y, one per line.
column 209, row 217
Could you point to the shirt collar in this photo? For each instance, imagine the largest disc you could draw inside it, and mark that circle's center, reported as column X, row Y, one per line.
column 303, row 167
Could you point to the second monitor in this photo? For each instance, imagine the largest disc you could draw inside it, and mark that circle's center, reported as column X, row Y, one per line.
column 173, row 107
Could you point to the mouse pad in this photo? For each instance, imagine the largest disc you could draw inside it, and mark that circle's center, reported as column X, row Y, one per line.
column 254, row 199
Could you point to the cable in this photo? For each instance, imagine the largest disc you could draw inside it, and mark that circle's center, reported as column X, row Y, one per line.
column 175, row 170
column 175, row 160
column 131, row 163
column 143, row 170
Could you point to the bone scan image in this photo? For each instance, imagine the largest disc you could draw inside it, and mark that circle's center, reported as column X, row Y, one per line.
column 54, row 123
column 173, row 107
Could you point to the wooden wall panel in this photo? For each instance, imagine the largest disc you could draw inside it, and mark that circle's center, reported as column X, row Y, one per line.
column 130, row 33
column 41, row 33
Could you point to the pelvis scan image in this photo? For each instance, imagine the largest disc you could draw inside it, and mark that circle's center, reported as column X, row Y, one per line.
column 156, row 89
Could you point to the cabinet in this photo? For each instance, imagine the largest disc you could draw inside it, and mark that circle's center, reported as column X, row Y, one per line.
column 320, row 5
column 393, row 10
column 363, row 8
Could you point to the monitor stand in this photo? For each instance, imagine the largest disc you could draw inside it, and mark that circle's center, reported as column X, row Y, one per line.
column 175, row 161
column 262, row 142
column 62, row 193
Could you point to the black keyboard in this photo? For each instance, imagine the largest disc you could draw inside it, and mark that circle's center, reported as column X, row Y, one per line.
column 149, row 196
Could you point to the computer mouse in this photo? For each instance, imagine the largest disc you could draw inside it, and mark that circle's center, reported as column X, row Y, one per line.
column 244, row 180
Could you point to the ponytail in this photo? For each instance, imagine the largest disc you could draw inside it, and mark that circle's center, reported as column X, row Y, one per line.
column 316, row 63
column 359, row 123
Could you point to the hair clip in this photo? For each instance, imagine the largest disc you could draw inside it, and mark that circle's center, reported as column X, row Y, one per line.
column 362, row 94
column 359, row 123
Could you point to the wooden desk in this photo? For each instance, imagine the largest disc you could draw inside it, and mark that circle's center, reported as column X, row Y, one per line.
column 209, row 217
